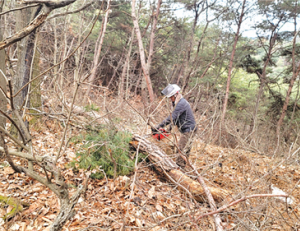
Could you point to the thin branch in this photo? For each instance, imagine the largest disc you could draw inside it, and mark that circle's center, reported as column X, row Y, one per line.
column 217, row 219
column 71, row 12
column 5, row 149
column 14, row 139
column 25, row 155
column 135, row 172
column 68, row 119
column 51, row 4
column 35, row 23
column 4, row 93
column 14, row 123
column 19, row 8
column 42, row 180
column 11, row 97
column 70, row 55
column 23, row 126
column 238, row 201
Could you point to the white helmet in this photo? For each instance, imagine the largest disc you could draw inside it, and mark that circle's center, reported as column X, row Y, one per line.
column 171, row 90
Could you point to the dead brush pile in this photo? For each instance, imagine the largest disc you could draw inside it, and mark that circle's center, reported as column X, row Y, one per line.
column 146, row 201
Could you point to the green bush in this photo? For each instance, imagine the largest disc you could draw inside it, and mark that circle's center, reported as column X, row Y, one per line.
column 105, row 149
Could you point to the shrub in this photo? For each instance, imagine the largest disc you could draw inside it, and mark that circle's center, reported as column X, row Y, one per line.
column 107, row 149
column 91, row 107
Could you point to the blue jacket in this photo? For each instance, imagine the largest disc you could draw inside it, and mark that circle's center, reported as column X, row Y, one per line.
column 182, row 117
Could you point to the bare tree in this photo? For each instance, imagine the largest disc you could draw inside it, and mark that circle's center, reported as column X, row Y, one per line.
column 125, row 67
column 45, row 170
column 230, row 66
column 198, row 8
column 146, row 64
column 293, row 79
column 269, row 50
column 98, row 47
column 3, row 82
column 47, row 8
column 40, row 168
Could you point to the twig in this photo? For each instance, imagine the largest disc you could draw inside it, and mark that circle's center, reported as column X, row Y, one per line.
column 68, row 119
column 146, row 120
column 10, row 161
column 14, row 139
column 238, row 201
column 178, row 184
column 135, row 171
column 208, row 194
column 71, row 12
column 11, row 97
column 212, row 203
column 70, row 55
column 20, row 8
column 14, row 123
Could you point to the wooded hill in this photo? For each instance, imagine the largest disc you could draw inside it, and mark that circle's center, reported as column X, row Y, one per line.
column 87, row 76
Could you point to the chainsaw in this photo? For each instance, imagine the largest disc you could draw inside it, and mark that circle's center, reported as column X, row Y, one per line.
column 160, row 134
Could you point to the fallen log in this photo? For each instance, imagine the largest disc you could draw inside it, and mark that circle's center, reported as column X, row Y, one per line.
column 168, row 168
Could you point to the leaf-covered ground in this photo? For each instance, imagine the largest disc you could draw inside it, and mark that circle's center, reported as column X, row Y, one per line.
column 146, row 201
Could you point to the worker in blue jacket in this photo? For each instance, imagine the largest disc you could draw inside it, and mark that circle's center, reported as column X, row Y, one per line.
column 183, row 118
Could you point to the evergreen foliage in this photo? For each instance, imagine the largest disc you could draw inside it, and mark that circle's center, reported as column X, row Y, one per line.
column 103, row 149
column 91, row 107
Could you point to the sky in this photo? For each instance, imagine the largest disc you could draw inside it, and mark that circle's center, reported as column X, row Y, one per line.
column 247, row 25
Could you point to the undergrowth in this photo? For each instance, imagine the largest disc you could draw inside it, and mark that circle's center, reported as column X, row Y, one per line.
column 104, row 149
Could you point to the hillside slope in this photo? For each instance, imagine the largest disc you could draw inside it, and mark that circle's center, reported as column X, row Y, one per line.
column 145, row 201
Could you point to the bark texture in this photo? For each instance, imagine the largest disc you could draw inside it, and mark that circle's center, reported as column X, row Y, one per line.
column 144, row 64
column 3, row 101
column 170, row 170
column 230, row 67
column 98, row 48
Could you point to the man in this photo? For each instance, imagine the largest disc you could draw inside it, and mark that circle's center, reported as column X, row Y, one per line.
column 183, row 118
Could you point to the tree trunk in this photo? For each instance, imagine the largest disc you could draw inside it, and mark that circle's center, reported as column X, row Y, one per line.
column 190, row 47
column 98, row 47
column 3, row 83
column 263, row 78
column 170, row 170
column 292, row 81
column 35, row 92
column 24, row 54
column 67, row 209
column 152, row 35
column 125, row 66
column 142, row 52
column 231, row 62
column 22, row 19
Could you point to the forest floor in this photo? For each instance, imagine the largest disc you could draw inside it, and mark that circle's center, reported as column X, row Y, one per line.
column 154, row 203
